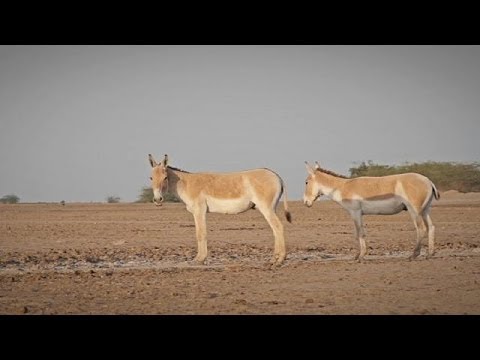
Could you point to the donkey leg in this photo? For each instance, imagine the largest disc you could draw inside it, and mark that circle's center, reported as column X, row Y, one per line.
column 277, row 228
column 360, row 235
column 421, row 231
column 431, row 234
column 201, row 232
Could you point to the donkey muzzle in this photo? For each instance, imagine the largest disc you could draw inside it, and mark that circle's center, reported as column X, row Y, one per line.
column 158, row 202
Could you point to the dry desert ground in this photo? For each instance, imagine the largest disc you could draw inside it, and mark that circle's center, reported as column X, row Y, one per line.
column 137, row 259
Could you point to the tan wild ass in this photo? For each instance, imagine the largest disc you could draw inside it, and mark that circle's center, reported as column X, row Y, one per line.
column 384, row 195
column 226, row 193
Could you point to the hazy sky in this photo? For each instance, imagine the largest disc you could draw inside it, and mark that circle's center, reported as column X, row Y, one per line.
column 77, row 122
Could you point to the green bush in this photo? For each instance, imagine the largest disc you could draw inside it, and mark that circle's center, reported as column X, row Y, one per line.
column 10, row 199
column 146, row 196
column 113, row 199
column 463, row 177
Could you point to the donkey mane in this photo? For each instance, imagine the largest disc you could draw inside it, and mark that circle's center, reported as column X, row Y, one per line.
column 177, row 169
column 325, row 171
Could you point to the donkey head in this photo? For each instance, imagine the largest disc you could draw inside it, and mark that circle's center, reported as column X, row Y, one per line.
column 312, row 190
column 159, row 178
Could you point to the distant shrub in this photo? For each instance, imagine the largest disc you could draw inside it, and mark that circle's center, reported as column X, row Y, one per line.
column 113, row 199
column 146, row 196
column 10, row 199
column 463, row 177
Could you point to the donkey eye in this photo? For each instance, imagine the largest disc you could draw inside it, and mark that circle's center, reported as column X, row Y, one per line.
column 150, row 178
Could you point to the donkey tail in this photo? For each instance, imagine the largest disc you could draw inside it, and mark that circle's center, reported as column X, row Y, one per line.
column 288, row 215
column 283, row 190
column 436, row 193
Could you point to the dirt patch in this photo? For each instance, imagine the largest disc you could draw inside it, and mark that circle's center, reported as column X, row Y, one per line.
column 137, row 259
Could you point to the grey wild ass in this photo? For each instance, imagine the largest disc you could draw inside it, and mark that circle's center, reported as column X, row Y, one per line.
column 226, row 193
column 384, row 195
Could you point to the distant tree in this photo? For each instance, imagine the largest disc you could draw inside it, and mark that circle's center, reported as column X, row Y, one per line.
column 113, row 199
column 371, row 169
column 10, row 199
column 146, row 196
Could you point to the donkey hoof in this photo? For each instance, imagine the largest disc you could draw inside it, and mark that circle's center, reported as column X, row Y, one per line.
column 199, row 261
column 278, row 263
column 414, row 255
column 274, row 259
column 358, row 258
column 277, row 260
column 274, row 265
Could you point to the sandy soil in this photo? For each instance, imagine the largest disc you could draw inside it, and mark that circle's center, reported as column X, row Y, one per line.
column 136, row 259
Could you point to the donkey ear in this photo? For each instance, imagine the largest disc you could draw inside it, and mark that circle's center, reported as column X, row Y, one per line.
column 165, row 161
column 152, row 160
column 317, row 166
column 310, row 170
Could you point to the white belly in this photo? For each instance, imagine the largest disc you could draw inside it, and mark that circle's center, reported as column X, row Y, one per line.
column 382, row 207
column 228, row 206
